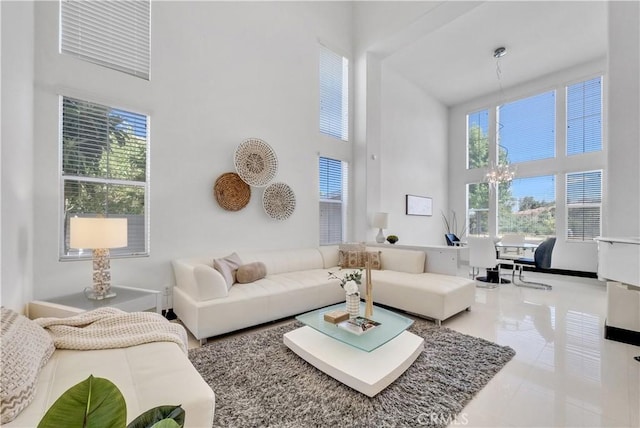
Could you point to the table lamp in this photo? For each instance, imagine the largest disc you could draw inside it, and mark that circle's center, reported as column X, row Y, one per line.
column 380, row 221
column 99, row 234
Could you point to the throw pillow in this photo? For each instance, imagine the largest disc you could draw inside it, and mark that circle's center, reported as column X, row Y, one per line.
column 227, row 267
column 375, row 259
column 26, row 348
column 251, row 272
column 350, row 259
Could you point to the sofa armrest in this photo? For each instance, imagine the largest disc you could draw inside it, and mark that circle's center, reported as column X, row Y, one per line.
column 210, row 283
column 198, row 280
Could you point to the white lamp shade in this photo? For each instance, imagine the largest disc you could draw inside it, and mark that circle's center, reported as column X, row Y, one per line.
column 98, row 232
column 380, row 220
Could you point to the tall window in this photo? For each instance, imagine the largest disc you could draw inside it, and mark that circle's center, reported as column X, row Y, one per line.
column 334, row 94
column 527, row 206
column 478, row 139
column 478, row 209
column 584, row 117
column 114, row 34
column 527, row 128
column 584, row 202
column 104, row 170
column 333, row 179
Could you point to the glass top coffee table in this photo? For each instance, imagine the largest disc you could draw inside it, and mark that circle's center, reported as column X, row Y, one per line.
column 367, row 363
column 391, row 325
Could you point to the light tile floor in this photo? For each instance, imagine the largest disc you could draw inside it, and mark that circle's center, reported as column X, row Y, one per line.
column 564, row 374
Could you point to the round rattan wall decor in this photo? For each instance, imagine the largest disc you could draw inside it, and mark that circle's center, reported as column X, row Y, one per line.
column 256, row 162
column 279, row 201
column 231, row 192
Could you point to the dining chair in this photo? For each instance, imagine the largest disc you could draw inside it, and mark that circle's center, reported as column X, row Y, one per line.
column 511, row 252
column 541, row 260
column 483, row 255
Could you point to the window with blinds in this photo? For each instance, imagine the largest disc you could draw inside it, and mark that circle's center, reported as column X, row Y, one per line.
column 584, row 117
column 527, row 128
column 527, row 206
column 334, row 94
column 478, row 139
column 584, row 203
column 478, row 209
column 113, row 34
column 104, row 170
column 333, row 180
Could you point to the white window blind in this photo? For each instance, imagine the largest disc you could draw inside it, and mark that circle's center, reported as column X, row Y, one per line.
column 478, row 139
column 584, row 117
column 527, row 206
column 334, row 94
column 114, row 34
column 104, row 170
column 527, row 128
column 478, row 209
column 584, row 203
column 333, row 180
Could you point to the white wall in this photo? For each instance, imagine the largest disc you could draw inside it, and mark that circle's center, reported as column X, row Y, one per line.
column 380, row 28
column 623, row 207
column 413, row 158
column 17, row 153
column 220, row 72
column 579, row 256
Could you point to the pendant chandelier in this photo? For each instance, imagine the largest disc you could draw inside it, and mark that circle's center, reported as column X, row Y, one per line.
column 500, row 172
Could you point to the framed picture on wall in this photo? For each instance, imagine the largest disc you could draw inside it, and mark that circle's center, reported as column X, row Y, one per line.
column 419, row 205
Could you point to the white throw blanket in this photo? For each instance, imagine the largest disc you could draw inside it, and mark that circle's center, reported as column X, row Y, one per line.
column 107, row 328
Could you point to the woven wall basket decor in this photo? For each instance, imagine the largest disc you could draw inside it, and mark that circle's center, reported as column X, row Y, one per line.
column 231, row 192
column 256, row 162
column 279, row 201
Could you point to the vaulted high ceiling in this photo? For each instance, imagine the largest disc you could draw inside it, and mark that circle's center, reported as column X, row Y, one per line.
column 448, row 49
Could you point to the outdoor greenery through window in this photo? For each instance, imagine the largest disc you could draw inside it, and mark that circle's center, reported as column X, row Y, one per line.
column 527, row 206
column 478, row 209
column 584, row 202
column 478, row 139
column 526, row 132
column 334, row 94
column 104, row 170
column 333, row 180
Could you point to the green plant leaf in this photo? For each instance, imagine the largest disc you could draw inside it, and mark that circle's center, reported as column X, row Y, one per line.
column 158, row 417
column 166, row 423
column 94, row 402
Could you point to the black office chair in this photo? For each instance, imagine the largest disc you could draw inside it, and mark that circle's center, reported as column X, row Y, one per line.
column 452, row 240
column 541, row 260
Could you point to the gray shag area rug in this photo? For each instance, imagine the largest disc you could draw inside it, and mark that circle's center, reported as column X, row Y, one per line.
column 259, row 382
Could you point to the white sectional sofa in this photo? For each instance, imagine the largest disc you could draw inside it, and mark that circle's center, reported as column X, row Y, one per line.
column 297, row 281
column 148, row 375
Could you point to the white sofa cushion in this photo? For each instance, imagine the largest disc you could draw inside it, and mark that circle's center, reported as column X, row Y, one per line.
column 329, row 255
column 410, row 261
column 148, row 375
column 280, row 261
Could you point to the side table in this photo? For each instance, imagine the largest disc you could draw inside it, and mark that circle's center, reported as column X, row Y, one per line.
column 128, row 299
